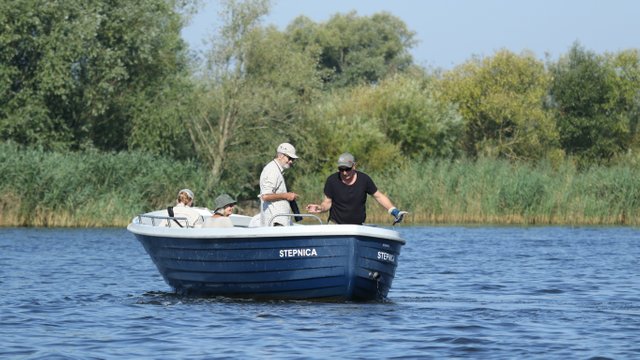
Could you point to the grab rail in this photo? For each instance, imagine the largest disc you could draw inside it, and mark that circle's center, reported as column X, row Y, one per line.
column 294, row 215
column 167, row 218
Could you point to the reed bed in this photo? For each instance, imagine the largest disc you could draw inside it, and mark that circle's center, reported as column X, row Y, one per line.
column 500, row 192
column 106, row 190
column 86, row 189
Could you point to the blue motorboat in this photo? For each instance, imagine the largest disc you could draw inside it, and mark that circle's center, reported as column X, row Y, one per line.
column 317, row 261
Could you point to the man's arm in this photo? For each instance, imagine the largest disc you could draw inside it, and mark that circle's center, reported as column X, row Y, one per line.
column 290, row 196
column 323, row 207
column 383, row 200
column 270, row 180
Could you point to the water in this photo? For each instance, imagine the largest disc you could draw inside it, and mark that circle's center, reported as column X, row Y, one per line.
column 459, row 292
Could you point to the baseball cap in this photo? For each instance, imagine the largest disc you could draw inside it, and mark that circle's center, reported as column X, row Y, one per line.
column 287, row 149
column 346, row 160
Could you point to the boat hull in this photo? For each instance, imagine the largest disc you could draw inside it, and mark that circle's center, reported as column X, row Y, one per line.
column 321, row 262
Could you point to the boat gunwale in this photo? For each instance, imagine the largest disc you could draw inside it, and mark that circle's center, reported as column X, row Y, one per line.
column 298, row 230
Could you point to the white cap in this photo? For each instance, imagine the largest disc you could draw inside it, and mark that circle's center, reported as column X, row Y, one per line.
column 287, row 149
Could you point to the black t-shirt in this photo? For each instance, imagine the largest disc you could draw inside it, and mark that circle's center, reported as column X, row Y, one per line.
column 348, row 201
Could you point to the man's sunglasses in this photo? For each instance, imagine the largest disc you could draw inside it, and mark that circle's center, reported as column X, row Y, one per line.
column 343, row 169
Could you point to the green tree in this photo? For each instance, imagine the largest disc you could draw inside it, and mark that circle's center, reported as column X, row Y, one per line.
column 411, row 116
column 355, row 49
column 74, row 73
column 386, row 124
column 595, row 102
column 501, row 99
column 159, row 121
column 626, row 65
column 252, row 97
column 344, row 120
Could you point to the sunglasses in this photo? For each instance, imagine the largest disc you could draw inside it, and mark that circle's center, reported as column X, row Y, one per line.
column 290, row 158
column 343, row 169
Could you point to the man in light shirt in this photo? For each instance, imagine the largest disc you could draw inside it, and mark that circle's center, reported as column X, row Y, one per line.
column 273, row 189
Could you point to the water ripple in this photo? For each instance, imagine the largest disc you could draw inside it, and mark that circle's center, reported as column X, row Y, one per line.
column 498, row 293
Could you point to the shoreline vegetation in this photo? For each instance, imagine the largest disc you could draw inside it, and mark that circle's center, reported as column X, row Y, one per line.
column 93, row 189
column 106, row 117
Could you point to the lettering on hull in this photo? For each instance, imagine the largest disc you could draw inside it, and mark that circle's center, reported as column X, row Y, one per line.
column 384, row 256
column 287, row 253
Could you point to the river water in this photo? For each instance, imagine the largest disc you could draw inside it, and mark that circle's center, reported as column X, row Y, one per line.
column 459, row 292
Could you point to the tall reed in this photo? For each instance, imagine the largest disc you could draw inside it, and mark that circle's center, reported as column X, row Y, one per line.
column 500, row 192
column 94, row 189
column 90, row 189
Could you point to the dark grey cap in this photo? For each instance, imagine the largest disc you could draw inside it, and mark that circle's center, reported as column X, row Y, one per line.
column 346, row 160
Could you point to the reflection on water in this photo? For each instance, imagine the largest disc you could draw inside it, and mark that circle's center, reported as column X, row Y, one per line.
column 459, row 292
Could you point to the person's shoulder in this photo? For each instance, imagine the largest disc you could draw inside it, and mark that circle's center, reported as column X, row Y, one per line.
column 333, row 177
column 272, row 166
column 363, row 175
column 185, row 210
column 202, row 210
column 268, row 168
column 365, row 178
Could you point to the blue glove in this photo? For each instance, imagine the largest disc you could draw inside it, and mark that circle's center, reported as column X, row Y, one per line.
column 398, row 215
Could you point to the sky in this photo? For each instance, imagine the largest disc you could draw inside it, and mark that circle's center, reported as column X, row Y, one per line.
column 450, row 32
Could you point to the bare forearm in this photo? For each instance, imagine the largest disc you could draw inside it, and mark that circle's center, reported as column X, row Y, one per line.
column 290, row 196
column 383, row 200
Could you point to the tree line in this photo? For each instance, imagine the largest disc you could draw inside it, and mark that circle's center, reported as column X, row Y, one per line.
column 78, row 76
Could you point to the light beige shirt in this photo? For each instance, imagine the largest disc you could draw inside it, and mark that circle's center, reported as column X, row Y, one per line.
column 272, row 182
column 217, row 222
column 193, row 216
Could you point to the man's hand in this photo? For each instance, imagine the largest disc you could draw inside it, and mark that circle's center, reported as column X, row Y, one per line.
column 398, row 215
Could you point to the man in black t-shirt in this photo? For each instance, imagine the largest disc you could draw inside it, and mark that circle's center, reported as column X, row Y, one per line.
column 345, row 195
